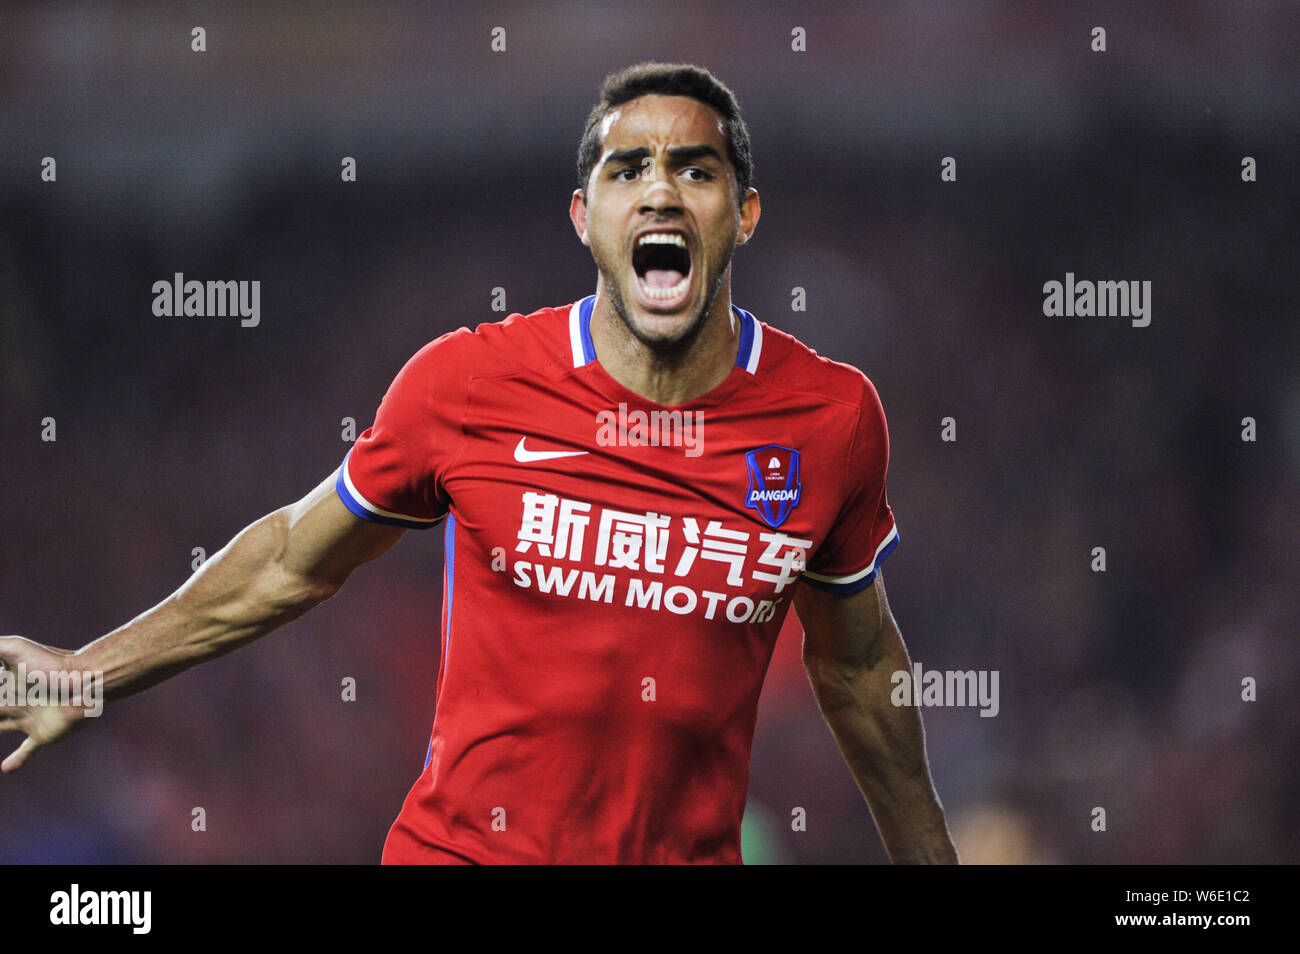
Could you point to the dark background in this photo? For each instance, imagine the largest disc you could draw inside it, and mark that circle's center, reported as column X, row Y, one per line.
column 1119, row 689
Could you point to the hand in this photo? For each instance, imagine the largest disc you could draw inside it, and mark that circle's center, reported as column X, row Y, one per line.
column 45, row 709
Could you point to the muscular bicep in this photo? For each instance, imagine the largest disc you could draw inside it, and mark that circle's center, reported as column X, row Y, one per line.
column 846, row 630
column 325, row 541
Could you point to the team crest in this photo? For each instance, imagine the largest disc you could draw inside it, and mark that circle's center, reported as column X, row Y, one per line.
column 773, row 482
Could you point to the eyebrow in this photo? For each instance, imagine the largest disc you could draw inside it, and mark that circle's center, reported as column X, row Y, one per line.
column 676, row 153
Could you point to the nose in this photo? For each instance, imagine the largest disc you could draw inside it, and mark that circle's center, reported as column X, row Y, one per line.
column 659, row 195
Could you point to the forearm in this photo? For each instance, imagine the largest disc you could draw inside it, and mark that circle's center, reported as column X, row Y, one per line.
column 884, row 746
column 241, row 593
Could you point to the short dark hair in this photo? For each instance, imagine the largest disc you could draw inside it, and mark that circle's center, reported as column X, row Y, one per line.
column 668, row 79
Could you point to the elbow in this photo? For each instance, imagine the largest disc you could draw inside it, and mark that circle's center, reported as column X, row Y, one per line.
column 323, row 590
column 823, row 664
column 835, row 684
column 303, row 593
column 281, row 595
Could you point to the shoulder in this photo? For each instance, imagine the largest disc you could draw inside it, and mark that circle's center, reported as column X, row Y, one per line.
column 839, row 397
column 792, row 366
column 517, row 343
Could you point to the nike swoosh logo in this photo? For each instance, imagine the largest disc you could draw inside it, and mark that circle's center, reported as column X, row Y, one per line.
column 525, row 456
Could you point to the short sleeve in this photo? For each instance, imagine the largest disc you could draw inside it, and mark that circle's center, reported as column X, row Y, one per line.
column 864, row 532
column 394, row 472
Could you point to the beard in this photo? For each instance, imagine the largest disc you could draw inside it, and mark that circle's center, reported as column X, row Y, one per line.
column 679, row 344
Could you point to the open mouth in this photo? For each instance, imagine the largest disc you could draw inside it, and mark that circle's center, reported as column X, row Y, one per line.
column 662, row 262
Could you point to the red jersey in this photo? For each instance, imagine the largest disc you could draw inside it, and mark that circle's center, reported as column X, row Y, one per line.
column 617, row 572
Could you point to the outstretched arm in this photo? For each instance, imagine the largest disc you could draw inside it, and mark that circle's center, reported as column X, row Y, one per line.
column 272, row 572
column 851, row 649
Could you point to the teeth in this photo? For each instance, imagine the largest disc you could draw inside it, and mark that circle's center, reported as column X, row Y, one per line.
column 665, row 294
column 661, row 238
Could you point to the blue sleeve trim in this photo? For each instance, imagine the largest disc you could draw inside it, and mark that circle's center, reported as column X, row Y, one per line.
column 364, row 509
column 853, row 583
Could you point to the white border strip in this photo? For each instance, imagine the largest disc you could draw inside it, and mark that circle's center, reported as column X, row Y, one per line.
column 575, row 333
column 755, row 347
column 869, row 569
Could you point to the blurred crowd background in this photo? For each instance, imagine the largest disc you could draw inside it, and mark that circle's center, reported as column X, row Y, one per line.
column 1120, row 689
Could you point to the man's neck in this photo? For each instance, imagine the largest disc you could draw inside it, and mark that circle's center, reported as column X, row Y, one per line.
column 667, row 378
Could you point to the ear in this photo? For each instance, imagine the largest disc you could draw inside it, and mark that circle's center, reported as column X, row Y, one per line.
column 578, row 215
column 750, row 210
